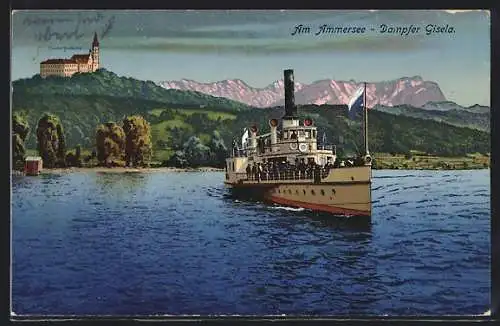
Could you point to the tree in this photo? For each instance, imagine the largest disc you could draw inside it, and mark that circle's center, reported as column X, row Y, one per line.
column 177, row 160
column 138, row 145
column 51, row 143
column 110, row 143
column 71, row 159
column 218, row 149
column 78, row 155
column 161, row 144
column 167, row 114
column 20, row 129
column 197, row 154
column 178, row 136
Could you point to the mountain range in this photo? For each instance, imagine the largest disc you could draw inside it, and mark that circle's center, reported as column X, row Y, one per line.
column 84, row 101
column 413, row 91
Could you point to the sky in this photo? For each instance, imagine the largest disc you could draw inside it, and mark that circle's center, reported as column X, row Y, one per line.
column 256, row 46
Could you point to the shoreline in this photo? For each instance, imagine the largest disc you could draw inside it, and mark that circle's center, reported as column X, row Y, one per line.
column 200, row 169
column 121, row 170
column 130, row 170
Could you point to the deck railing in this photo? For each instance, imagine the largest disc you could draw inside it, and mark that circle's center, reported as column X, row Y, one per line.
column 240, row 152
column 288, row 175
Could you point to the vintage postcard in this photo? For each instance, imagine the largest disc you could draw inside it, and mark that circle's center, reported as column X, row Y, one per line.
column 263, row 163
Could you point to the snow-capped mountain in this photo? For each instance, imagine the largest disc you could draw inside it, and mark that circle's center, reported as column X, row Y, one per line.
column 235, row 89
column 407, row 90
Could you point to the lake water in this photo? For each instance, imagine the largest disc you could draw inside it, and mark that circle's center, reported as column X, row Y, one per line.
column 175, row 243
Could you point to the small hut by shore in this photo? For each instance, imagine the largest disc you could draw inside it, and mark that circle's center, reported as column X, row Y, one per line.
column 33, row 165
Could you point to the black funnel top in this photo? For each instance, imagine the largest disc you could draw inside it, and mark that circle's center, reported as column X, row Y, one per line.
column 290, row 108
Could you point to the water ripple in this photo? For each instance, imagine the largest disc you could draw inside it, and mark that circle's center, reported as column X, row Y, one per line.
column 177, row 243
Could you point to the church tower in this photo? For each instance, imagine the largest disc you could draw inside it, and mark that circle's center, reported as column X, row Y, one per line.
column 95, row 53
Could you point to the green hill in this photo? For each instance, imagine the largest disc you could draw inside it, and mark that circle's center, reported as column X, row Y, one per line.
column 84, row 101
column 388, row 133
column 456, row 115
column 106, row 83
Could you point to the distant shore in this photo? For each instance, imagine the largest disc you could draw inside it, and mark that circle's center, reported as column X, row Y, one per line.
column 124, row 170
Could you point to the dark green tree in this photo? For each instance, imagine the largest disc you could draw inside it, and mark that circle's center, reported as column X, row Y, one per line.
column 196, row 153
column 110, row 144
column 178, row 137
column 138, row 145
column 167, row 114
column 178, row 160
column 20, row 129
column 78, row 155
column 51, row 143
column 218, row 150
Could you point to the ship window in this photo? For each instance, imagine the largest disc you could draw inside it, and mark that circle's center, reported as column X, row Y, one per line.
column 312, row 192
column 333, row 190
column 308, row 134
column 279, row 191
column 304, row 191
column 296, row 192
column 322, row 192
column 289, row 191
column 233, row 167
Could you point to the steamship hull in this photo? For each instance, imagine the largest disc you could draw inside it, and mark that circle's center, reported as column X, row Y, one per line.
column 344, row 192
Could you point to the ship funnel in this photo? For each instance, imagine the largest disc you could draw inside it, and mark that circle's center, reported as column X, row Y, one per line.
column 290, row 108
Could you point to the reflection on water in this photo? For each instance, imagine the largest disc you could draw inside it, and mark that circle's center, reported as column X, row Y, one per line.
column 121, row 183
column 176, row 243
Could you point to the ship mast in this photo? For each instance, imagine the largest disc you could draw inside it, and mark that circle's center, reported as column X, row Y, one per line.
column 365, row 122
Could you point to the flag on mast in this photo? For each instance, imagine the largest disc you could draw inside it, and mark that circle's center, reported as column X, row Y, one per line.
column 356, row 103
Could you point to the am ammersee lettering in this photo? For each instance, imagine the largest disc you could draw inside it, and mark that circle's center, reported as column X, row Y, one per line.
column 328, row 29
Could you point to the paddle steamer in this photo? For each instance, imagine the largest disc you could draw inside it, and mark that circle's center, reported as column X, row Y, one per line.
column 287, row 167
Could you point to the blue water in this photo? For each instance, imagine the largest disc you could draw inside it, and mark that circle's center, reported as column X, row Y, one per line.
column 175, row 243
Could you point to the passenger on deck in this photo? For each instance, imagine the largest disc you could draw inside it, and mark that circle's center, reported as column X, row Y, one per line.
column 310, row 168
column 302, row 168
column 360, row 161
column 265, row 171
column 276, row 171
column 296, row 168
column 254, row 171
column 249, row 172
column 328, row 165
column 288, row 170
column 317, row 173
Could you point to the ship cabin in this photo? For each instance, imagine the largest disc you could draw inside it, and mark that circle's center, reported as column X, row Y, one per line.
column 290, row 153
column 295, row 144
